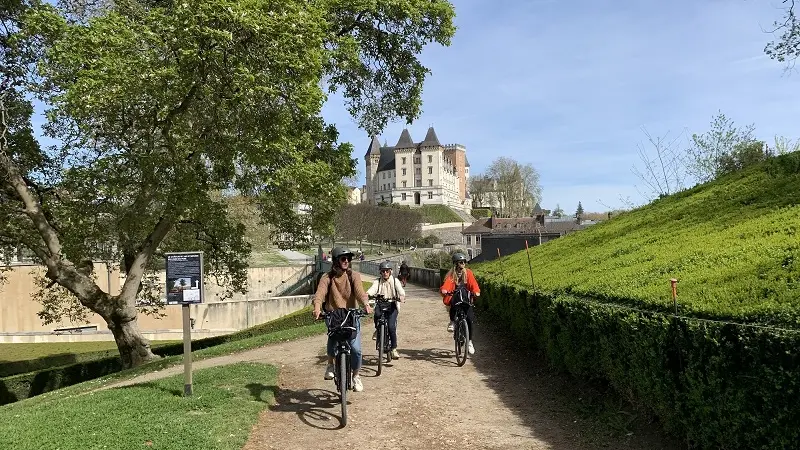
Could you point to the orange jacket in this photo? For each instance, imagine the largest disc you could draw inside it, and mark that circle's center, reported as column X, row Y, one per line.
column 449, row 285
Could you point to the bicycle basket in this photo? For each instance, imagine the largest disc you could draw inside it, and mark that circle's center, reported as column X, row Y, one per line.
column 341, row 325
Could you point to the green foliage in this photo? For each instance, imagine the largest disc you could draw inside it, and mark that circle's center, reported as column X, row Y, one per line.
column 438, row 214
column 161, row 106
column 220, row 415
column 427, row 241
column 732, row 245
column 481, row 213
column 713, row 384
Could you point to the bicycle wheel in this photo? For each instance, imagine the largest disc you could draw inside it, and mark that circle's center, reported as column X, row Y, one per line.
column 386, row 341
column 462, row 339
column 343, row 385
column 381, row 346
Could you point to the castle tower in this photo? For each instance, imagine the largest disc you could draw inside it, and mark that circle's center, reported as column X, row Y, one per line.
column 372, row 158
column 457, row 153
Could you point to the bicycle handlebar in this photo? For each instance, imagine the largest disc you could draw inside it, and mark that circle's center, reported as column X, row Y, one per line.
column 357, row 311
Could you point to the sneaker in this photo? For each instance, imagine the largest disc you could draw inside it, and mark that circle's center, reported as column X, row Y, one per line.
column 470, row 348
column 451, row 326
column 395, row 354
column 357, row 385
column 375, row 335
column 329, row 372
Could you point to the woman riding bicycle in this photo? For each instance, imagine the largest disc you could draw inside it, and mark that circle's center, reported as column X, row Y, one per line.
column 460, row 277
column 389, row 287
column 342, row 288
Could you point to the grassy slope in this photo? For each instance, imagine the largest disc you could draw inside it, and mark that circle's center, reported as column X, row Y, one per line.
column 732, row 245
column 438, row 214
column 219, row 415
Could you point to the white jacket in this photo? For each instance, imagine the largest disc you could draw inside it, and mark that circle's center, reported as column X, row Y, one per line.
column 390, row 288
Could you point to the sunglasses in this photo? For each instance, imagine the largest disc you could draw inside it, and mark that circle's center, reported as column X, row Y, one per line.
column 461, row 262
column 345, row 258
column 385, row 270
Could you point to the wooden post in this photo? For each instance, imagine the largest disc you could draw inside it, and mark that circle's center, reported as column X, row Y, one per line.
column 674, row 284
column 527, row 250
column 187, row 351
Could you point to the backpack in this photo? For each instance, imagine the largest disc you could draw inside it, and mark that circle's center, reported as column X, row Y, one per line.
column 460, row 295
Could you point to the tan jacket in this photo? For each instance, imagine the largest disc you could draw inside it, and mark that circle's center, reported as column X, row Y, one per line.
column 341, row 295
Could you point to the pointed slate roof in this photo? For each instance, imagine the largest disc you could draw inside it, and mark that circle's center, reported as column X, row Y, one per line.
column 466, row 161
column 537, row 209
column 374, row 147
column 430, row 139
column 405, row 140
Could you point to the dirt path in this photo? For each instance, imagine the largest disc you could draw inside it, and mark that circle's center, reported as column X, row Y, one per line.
column 497, row 400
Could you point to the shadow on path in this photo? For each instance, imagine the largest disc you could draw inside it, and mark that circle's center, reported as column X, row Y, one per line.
column 314, row 407
column 554, row 403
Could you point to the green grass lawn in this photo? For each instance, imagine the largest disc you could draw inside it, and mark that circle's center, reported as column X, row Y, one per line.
column 22, row 358
column 219, row 415
column 438, row 214
column 267, row 258
column 732, row 244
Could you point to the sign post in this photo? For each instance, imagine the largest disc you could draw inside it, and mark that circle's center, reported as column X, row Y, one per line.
column 185, row 287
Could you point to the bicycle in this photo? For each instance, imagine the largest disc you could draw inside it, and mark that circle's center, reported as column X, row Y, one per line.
column 342, row 374
column 461, row 328
column 382, row 341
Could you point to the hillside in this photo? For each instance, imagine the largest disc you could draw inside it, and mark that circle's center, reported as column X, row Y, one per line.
column 436, row 214
column 731, row 243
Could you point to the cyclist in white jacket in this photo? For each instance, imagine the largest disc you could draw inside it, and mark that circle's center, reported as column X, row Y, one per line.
column 390, row 287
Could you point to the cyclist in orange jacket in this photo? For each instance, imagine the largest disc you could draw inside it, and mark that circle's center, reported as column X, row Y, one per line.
column 458, row 276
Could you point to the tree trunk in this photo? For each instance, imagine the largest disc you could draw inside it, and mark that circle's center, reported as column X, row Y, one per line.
column 134, row 349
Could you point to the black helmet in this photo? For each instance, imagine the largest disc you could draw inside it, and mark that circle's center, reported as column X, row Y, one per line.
column 385, row 265
column 459, row 257
column 341, row 251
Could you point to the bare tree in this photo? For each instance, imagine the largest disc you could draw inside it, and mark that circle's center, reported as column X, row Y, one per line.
column 663, row 169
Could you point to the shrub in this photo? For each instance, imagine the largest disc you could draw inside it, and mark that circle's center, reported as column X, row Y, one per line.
column 714, row 384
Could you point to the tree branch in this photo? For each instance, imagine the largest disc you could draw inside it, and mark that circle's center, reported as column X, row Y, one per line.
column 136, row 270
column 32, row 207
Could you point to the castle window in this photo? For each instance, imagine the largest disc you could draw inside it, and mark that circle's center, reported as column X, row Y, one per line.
column 404, row 184
column 418, row 183
column 404, row 194
column 430, row 169
column 384, row 175
column 430, row 195
column 393, row 185
column 404, row 170
column 404, row 161
column 418, row 171
column 469, row 239
column 430, row 182
column 430, row 158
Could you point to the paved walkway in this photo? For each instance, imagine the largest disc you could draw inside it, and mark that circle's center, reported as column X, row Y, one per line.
column 496, row 401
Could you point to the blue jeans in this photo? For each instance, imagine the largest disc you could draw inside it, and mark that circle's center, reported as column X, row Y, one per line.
column 355, row 348
column 392, row 319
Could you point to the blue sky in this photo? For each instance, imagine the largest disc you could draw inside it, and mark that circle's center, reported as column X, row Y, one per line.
column 567, row 86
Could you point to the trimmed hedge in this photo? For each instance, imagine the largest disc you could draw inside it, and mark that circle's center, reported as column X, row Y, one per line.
column 714, row 384
column 19, row 387
column 481, row 213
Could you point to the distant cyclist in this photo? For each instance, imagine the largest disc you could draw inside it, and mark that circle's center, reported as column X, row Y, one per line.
column 460, row 277
column 404, row 273
column 342, row 288
column 389, row 287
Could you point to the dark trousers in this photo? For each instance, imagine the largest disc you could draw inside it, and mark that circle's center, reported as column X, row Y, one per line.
column 470, row 317
column 392, row 319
